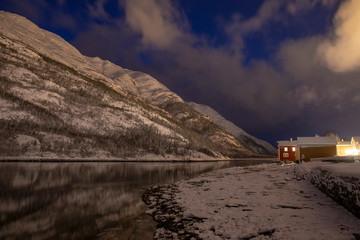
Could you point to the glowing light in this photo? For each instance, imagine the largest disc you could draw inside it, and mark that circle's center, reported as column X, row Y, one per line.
column 352, row 152
column 349, row 152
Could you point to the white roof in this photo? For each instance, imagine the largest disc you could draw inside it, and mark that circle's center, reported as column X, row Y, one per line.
column 287, row 143
column 344, row 143
column 317, row 141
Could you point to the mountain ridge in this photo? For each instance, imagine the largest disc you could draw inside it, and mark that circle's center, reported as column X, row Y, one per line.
column 57, row 102
column 257, row 145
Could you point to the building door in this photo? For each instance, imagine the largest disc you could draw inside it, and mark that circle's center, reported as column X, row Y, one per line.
column 292, row 153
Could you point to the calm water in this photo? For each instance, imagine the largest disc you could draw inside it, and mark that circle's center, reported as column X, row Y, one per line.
column 85, row 200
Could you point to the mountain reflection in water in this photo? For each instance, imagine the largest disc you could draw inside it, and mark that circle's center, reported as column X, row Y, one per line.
column 85, row 200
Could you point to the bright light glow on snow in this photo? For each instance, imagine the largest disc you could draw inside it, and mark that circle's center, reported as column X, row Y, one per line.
column 352, row 152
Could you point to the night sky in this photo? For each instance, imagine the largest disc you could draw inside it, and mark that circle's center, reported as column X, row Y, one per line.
column 276, row 68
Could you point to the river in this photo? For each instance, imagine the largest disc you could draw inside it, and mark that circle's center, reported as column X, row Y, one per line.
column 86, row 200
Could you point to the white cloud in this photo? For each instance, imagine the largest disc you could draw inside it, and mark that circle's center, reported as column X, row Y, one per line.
column 157, row 21
column 342, row 52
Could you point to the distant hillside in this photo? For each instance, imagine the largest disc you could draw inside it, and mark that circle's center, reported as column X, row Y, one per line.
column 55, row 102
column 256, row 145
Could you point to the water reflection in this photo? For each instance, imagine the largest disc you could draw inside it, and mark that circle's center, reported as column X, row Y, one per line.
column 84, row 200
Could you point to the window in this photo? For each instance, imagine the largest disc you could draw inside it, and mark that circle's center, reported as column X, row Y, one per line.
column 293, row 149
column 285, row 149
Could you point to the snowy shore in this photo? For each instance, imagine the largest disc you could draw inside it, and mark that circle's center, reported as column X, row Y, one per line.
column 338, row 180
column 259, row 202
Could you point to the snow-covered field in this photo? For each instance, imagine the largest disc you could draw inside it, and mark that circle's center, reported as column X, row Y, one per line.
column 259, row 202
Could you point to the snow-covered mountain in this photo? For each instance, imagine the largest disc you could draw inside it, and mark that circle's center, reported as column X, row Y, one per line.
column 56, row 102
column 138, row 83
column 253, row 143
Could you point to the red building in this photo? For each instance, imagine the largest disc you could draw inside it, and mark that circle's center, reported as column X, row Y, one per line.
column 287, row 150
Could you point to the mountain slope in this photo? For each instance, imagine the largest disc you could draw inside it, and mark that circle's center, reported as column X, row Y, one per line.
column 156, row 93
column 55, row 102
column 256, row 145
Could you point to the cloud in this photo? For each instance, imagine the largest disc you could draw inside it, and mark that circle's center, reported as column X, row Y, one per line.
column 315, row 85
column 98, row 11
column 266, row 12
column 322, row 98
column 30, row 9
column 299, row 60
column 199, row 71
column 158, row 22
column 296, row 6
column 116, row 42
column 215, row 75
column 43, row 13
column 63, row 20
column 273, row 10
column 299, row 93
column 342, row 51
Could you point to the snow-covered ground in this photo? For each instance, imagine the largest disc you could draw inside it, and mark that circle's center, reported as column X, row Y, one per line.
column 259, row 202
column 338, row 180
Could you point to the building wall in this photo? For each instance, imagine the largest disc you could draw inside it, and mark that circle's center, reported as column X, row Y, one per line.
column 289, row 155
column 297, row 154
column 341, row 149
column 317, row 152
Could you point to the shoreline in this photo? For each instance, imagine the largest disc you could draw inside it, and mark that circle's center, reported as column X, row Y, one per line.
column 67, row 160
column 260, row 202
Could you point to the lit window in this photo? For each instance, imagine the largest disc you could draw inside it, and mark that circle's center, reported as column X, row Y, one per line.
column 285, row 149
column 293, row 149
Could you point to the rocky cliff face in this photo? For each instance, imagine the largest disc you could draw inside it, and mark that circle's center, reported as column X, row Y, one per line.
column 55, row 102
